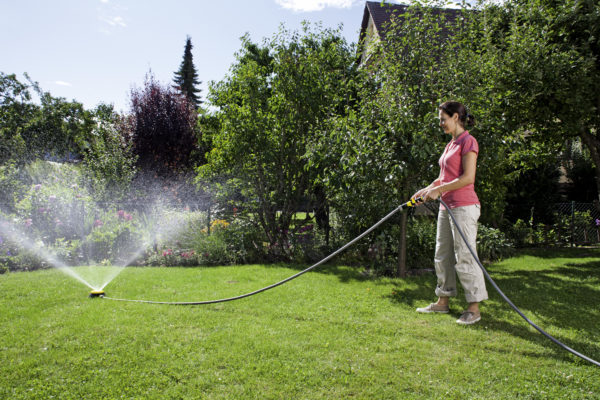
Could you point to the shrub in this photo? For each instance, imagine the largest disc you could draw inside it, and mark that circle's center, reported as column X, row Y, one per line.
column 10, row 186
column 232, row 242
column 492, row 244
column 116, row 236
column 420, row 242
column 522, row 233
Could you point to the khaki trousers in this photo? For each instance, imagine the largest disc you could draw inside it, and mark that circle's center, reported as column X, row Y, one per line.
column 452, row 257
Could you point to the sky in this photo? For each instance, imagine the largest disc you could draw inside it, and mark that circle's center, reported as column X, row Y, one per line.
column 96, row 51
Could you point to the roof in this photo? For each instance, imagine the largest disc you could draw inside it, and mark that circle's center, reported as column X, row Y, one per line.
column 382, row 13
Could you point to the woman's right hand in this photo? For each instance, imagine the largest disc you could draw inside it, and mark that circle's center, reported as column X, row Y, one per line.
column 418, row 194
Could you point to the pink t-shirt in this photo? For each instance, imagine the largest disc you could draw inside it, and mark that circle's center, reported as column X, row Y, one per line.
column 451, row 168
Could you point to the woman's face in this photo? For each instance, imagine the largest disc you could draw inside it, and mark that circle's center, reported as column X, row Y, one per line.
column 448, row 123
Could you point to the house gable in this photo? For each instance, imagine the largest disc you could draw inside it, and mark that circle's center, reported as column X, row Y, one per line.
column 376, row 19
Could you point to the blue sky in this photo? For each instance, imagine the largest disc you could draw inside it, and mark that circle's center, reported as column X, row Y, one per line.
column 96, row 50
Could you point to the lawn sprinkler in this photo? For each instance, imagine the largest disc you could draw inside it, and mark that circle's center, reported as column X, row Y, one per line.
column 96, row 293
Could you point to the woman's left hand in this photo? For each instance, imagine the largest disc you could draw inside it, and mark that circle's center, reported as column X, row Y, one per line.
column 432, row 194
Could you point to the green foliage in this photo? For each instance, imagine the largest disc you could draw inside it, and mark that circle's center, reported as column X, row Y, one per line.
column 59, row 130
column 534, row 75
column 50, row 209
column 108, row 159
column 47, row 129
column 521, row 233
column 562, row 230
column 58, row 214
column 492, row 244
column 420, row 242
column 114, row 238
column 274, row 101
column 11, row 187
column 386, row 144
column 235, row 242
column 16, row 110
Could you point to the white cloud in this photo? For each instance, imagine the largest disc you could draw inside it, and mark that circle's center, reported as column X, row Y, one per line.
column 114, row 21
column 62, row 83
column 316, row 5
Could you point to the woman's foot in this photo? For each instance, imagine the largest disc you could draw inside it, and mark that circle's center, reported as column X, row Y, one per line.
column 434, row 308
column 469, row 318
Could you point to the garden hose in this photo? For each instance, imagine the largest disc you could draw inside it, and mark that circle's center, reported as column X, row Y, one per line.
column 410, row 203
column 489, row 278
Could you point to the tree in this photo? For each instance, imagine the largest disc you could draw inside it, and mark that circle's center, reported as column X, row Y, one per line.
column 108, row 160
column 275, row 100
column 50, row 129
column 62, row 130
column 386, row 145
column 541, row 76
column 186, row 78
column 161, row 129
column 16, row 110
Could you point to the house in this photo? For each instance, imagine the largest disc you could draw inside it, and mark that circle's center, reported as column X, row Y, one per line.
column 375, row 22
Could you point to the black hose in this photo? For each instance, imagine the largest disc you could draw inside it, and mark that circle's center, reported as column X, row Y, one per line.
column 489, row 278
column 410, row 203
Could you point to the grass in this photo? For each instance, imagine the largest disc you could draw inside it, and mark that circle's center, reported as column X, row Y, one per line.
column 331, row 334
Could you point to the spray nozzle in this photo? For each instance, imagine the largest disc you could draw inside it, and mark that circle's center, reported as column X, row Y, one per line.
column 414, row 202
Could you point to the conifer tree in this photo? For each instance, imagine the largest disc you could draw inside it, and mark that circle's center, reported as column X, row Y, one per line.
column 186, row 78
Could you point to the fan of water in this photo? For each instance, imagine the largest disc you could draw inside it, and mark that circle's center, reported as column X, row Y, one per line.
column 160, row 225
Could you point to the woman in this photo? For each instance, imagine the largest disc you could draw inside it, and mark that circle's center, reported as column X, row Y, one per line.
column 455, row 184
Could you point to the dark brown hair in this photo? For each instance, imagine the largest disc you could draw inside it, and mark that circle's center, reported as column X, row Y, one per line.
column 454, row 107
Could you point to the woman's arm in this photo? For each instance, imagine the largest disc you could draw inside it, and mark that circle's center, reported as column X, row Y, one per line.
column 469, row 163
column 433, row 184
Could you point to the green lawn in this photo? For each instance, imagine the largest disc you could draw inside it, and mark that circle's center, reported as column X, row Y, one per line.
column 329, row 334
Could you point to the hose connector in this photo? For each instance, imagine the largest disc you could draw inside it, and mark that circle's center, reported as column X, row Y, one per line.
column 414, row 202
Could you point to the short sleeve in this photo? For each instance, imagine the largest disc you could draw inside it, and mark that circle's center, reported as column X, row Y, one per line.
column 470, row 144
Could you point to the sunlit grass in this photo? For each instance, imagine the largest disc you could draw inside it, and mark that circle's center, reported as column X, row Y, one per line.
column 328, row 334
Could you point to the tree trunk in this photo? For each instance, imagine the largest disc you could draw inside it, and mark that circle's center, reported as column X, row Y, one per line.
column 593, row 145
column 401, row 270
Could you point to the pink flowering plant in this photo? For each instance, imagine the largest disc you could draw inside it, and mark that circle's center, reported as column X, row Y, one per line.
column 115, row 235
column 57, row 210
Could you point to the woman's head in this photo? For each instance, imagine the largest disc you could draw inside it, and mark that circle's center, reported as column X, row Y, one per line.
column 453, row 112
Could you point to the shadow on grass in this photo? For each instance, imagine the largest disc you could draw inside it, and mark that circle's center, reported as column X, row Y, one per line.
column 561, row 252
column 415, row 291
column 523, row 331
column 343, row 272
column 562, row 297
